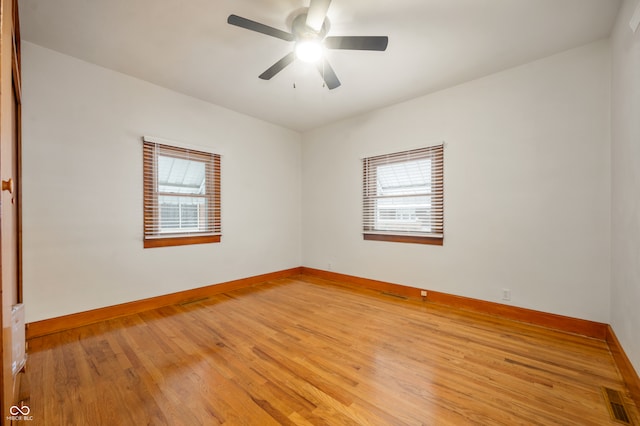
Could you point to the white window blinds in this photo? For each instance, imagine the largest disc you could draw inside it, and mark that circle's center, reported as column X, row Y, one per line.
column 403, row 194
column 181, row 192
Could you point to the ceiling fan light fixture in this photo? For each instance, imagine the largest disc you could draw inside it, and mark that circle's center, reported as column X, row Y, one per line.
column 309, row 29
column 309, row 51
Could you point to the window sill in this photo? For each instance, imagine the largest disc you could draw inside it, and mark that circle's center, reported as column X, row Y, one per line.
column 413, row 239
column 181, row 241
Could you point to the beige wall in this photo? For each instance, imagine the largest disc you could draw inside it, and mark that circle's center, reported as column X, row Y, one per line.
column 527, row 187
column 82, row 152
column 625, row 157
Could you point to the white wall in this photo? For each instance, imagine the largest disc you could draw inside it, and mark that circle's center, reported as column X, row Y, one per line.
column 625, row 159
column 527, row 187
column 82, row 205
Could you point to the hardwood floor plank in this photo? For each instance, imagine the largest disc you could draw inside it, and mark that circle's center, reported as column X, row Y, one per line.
column 303, row 351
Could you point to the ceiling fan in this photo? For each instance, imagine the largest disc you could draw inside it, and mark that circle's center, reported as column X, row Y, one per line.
column 309, row 32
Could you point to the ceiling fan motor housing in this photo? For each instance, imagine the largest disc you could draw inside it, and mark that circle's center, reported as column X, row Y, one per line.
column 301, row 31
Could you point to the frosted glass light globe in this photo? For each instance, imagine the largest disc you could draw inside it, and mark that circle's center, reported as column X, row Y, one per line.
column 308, row 50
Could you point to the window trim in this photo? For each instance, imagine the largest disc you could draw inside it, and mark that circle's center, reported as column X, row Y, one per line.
column 151, row 149
column 369, row 187
column 180, row 241
column 399, row 238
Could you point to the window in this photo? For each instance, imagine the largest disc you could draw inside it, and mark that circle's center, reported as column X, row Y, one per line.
column 181, row 196
column 403, row 196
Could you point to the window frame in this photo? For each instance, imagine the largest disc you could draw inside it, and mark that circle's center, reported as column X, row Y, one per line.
column 370, row 195
column 152, row 149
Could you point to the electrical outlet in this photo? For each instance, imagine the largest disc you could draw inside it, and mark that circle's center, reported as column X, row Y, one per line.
column 506, row 294
column 423, row 293
column 329, row 266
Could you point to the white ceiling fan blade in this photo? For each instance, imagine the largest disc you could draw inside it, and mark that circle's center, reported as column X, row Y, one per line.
column 317, row 13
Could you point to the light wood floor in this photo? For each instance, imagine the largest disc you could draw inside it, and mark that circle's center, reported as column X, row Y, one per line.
column 304, row 351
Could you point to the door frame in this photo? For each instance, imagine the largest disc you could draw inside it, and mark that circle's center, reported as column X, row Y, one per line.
column 10, row 292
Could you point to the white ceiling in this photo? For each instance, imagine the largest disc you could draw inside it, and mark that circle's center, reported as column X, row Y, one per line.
column 187, row 46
